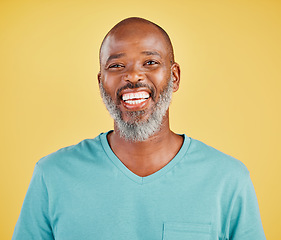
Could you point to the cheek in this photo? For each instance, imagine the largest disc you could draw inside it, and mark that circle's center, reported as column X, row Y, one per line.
column 159, row 79
column 109, row 83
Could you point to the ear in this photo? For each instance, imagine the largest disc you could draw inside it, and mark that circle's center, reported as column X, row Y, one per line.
column 99, row 77
column 175, row 69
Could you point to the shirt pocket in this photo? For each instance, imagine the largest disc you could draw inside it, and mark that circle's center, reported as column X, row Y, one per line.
column 186, row 231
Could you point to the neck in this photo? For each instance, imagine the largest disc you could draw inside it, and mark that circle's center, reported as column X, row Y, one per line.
column 146, row 157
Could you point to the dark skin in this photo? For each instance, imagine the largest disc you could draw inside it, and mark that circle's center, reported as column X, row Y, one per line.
column 140, row 54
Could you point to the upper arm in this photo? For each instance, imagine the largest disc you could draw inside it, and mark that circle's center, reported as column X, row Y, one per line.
column 245, row 221
column 34, row 221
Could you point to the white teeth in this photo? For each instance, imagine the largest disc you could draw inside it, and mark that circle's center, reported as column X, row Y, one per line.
column 136, row 95
column 135, row 101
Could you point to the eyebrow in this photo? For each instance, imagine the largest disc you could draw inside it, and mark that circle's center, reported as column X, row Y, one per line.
column 119, row 55
column 115, row 56
column 151, row 53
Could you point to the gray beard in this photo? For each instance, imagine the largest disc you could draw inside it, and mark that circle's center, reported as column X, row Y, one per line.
column 137, row 130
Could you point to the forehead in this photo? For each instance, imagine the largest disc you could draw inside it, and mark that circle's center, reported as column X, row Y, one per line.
column 134, row 40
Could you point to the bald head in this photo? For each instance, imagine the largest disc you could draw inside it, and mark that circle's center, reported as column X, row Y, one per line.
column 140, row 26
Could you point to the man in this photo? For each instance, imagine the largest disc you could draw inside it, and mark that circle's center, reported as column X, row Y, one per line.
column 140, row 181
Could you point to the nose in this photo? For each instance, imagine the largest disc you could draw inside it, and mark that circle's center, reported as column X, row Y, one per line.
column 133, row 75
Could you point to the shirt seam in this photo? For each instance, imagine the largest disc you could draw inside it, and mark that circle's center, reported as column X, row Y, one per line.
column 48, row 211
column 108, row 156
column 244, row 185
column 142, row 182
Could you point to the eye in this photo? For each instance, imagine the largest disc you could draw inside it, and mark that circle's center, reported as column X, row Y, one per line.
column 116, row 66
column 151, row 62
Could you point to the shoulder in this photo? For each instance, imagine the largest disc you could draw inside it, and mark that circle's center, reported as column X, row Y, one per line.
column 65, row 156
column 216, row 161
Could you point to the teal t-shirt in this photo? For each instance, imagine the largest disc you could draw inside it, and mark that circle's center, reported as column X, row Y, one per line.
column 85, row 192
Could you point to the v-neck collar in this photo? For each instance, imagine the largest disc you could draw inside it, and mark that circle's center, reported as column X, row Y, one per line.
column 151, row 177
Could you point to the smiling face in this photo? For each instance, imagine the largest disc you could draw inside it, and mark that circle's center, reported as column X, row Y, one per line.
column 137, row 77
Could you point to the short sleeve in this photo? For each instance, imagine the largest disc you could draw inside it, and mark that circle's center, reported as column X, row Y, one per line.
column 245, row 222
column 34, row 222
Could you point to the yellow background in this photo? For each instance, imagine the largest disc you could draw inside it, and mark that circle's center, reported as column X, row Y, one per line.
column 229, row 98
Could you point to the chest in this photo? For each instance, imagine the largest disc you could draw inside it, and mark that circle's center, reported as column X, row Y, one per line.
column 157, row 211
